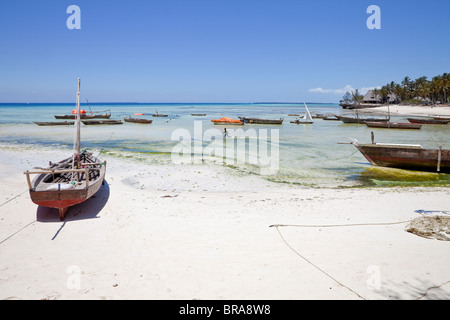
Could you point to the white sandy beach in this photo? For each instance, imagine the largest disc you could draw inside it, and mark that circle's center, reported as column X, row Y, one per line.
column 407, row 110
column 155, row 232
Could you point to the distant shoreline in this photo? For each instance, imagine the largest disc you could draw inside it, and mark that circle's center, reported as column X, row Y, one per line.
column 2, row 104
column 406, row 110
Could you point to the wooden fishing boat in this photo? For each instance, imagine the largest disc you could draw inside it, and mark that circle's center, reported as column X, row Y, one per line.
column 393, row 125
column 70, row 181
column 307, row 118
column 55, row 123
column 138, row 120
column 74, row 116
column 405, row 156
column 358, row 120
column 101, row 122
column 442, row 118
column 106, row 114
column 428, row 121
column 159, row 114
column 227, row 121
column 330, row 118
column 261, row 121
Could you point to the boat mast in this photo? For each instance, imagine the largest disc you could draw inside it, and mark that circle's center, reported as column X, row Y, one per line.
column 77, row 142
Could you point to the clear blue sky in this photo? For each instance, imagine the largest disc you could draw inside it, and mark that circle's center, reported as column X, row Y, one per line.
column 216, row 50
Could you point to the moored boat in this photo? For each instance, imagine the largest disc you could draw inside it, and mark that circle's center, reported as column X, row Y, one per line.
column 428, row 121
column 358, row 120
column 159, row 114
column 330, row 118
column 405, row 156
column 307, row 118
column 261, row 121
column 100, row 122
column 442, row 118
column 138, row 120
column 393, row 125
column 70, row 181
column 106, row 114
column 55, row 123
column 227, row 121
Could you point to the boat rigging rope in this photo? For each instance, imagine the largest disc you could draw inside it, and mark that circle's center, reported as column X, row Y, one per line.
column 9, row 237
column 277, row 226
column 318, row 268
column 29, row 224
column 1, row 205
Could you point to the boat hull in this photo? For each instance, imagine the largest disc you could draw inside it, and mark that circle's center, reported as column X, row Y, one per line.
column 393, row 125
column 261, row 121
column 83, row 116
column 62, row 123
column 138, row 120
column 428, row 121
column 54, row 195
column 410, row 158
column 101, row 122
column 361, row 120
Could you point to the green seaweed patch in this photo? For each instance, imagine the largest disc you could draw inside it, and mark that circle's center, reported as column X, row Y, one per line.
column 392, row 177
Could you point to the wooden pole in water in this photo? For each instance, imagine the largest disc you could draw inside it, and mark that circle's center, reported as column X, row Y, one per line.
column 439, row 159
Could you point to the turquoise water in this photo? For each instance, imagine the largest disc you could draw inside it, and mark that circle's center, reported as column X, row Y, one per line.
column 308, row 155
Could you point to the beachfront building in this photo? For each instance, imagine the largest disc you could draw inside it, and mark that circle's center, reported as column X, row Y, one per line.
column 372, row 97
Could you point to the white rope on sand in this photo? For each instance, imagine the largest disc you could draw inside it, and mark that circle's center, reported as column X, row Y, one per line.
column 318, row 268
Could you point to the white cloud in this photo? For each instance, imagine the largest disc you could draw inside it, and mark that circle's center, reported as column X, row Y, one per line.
column 343, row 90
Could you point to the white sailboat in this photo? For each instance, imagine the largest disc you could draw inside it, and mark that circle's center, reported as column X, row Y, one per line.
column 307, row 119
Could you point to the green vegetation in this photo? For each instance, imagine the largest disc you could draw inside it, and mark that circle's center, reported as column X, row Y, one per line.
column 431, row 91
column 417, row 91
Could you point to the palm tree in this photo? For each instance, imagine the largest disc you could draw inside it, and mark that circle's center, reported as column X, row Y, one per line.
column 445, row 84
column 384, row 93
column 406, row 83
column 356, row 97
column 376, row 93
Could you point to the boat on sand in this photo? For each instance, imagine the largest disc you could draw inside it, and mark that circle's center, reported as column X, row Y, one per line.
column 70, row 181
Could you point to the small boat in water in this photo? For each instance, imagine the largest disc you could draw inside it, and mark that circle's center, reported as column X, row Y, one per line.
column 198, row 114
column 70, row 181
column 100, row 122
column 138, row 120
column 159, row 114
column 393, row 125
column 358, row 120
column 261, row 121
column 55, row 123
column 330, row 118
column 227, row 121
column 307, row 118
column 405, row 156
column 106, row 114
column 442, row 118
column 428, row 121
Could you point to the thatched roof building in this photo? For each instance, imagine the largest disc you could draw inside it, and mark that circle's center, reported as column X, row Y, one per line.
column 371, row 98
